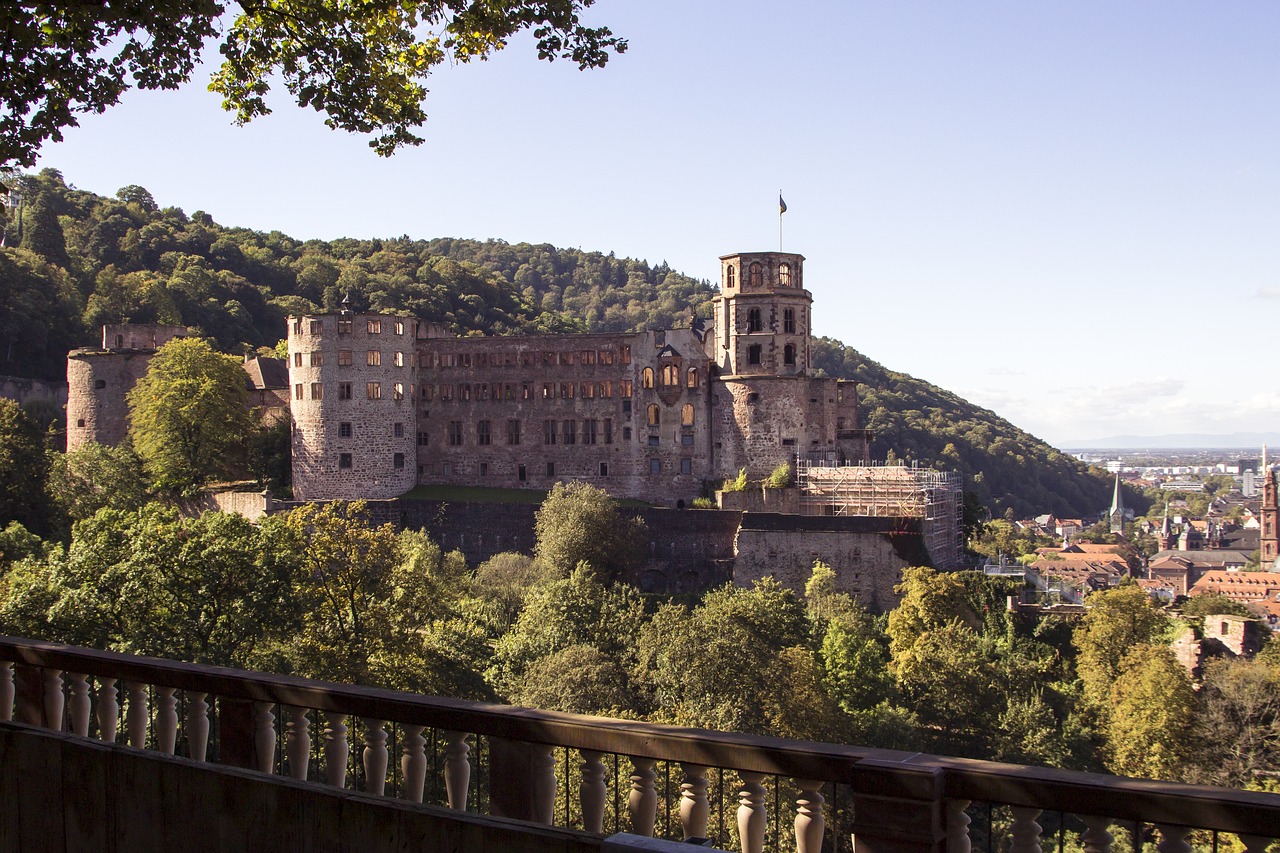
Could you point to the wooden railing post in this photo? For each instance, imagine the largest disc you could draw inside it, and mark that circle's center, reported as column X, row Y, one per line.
column 517, row 772
column 898, row 808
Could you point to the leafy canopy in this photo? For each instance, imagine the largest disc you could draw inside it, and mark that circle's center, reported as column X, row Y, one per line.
column 362, row 63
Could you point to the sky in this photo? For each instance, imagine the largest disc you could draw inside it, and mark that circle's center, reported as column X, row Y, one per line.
column 1065, row 213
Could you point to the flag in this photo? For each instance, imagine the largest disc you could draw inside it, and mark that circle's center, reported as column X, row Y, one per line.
column 782, row 205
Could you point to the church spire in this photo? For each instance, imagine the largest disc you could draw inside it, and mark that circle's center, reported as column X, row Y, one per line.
column 1116, row 515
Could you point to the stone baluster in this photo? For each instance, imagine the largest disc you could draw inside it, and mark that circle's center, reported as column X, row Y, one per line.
column 693, row 801
column 752, row 818
column 413, row 763
column 166, row 720
column 197, row 725
column 544, row 783
column 457, row 769
column 264, row 737
column 335, row 749
column 642, row 802
column 1255, row 843
column 1173, row 839
column 136, row 717
column 375, row 755
column 811, row 824
column 591, row 791
column 54, row 701
column 108, row 713
column 1096, row 838
column 1025, row 830
column 958, row 827
column 6, row 691
column 297, row 740
column 80, row 704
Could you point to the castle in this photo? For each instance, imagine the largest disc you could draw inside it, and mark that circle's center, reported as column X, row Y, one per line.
column 381, row 403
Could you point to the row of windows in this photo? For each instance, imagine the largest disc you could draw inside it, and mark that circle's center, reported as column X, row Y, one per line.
column 344, row 460
column 528, row 390
column 345, row 324
column 755, row 351
column 373, row 358
column 553, row 432
column 522, row 471
column 653, row 415
column 527, row 358
column 755, row 323
column 668, row 375
column 346, row 391
column 755, row 275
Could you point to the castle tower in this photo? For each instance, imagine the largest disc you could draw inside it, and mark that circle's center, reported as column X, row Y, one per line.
column 1269, row 536
column 354, row 425
column 762, row 315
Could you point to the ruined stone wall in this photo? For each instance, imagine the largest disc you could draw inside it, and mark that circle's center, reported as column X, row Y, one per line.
column 140, row 336
column 352, row 405
column 97, row 385
column 628, row 413
column 868, row 554
column 21, row 390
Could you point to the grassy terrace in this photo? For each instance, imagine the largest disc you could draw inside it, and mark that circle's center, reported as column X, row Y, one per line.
column 488, row 495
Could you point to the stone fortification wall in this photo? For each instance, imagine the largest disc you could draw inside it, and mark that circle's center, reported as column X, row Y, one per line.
column 868, row 554
column 98, row 383
column 21, row 390
column 628, row 413
column 352, row 405
column 755, row 498
column 253, row 505
column 141, row 336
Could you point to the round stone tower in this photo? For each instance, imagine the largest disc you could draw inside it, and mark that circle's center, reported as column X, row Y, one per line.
column 762, row 315
column 352, row 401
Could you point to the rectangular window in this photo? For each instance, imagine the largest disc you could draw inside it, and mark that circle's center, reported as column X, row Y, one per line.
column 589, row 431
column 624, row 354
column 588, row 390
column 297, row 359
column 344, row 429
column 604, row 469
column 606, row 356
column 397, row 430
column 344, row 460
column 655, row 466
column 482, row 391
column 626, row 408
column 624, row 389
column 570, row 430
column 484, row 469
column 446, row 468
column 422, row 439
column 375, row 327
column 548, row 390
column 686, row 466
column 317, row 326
column 344, row 358
column 608, row 430
column 399, row 327
column 373, row 391
column 297, row 330
column 551, row 469
column 566, row 358
column 686, row 440
column 317, row 359
column 587, row 357
column 626, row 433
column 398, row 359
column 513, row 431
column 526, row 391
column 508, row 392
column 317, row 391
column 428, row 391
column 398, row 390
column 297, row 391
column 521, row 474
column 566, row 389
column 455, row 433
column 606, row 389
column 374, row 358
column 653, row 441
column 482, row 433
column 548, row 432
column 344, row 390
column 446, row 392
column 397, row 460
column 344, row 325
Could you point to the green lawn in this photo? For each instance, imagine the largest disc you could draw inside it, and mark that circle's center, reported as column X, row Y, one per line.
column 488, row 495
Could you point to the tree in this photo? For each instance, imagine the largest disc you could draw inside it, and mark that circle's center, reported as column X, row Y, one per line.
column 187, row 415
column 23, row 467
column 1237, row 729
column 1117, row 621
column 579, row 523
column 94, row 477
column 1152, row 710
column 362, row 64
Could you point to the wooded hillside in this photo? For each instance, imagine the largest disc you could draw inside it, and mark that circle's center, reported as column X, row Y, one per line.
column 82, row 260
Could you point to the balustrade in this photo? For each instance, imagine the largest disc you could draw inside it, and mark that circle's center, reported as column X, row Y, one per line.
column 897, row 801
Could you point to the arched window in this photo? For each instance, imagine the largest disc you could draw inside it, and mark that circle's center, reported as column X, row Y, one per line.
column 691, row 377
column 686, row 415
column 789, row 321
column 655, row 417
column 753, row 354
column 756, row 274
column 789, row 354
column 728, row 277
column 784, row 275
column 670, row 374
column 753, row 320
column 646, row 378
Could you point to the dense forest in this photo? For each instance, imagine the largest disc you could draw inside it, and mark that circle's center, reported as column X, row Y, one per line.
column 79, row 260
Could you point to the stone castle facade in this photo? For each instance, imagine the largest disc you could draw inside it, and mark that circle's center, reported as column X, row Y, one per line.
column 381, row 403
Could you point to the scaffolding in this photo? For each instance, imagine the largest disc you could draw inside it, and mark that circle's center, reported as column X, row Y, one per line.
column 889, row 491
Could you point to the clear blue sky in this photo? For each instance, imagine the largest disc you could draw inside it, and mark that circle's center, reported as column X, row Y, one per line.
column 1067, row 213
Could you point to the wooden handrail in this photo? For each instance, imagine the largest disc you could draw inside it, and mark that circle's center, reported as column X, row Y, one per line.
column 869, row 771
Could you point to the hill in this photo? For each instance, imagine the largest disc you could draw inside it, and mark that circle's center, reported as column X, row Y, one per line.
column 83, row 260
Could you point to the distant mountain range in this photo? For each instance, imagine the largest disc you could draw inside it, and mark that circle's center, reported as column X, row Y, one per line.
column 1189, row 440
